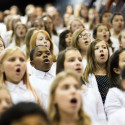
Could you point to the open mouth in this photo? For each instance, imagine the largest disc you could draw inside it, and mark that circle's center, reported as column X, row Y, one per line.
column 21, row 33
column 86, row 42
column 18, row 70
column 73, row 101
column 78, row 69
column 102, row 55
column 46, row 61
column 104, row 36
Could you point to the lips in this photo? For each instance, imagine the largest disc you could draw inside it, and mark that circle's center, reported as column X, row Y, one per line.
column 46, row 61
column 78, row 70
column 86, row 42
column 18, row 70
column 102, row 56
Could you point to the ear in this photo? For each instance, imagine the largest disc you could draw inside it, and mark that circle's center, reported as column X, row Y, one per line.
column 32, row 64
column 117, row 70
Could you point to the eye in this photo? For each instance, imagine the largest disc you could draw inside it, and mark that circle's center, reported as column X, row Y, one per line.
column 22, row 59
column 77, row 87
column 39, row 54
column 65, row 87
column 80, row 59
column 12, row 59
column 96, row 48
column 71, row 60
column 48, row 53
column 104, row 47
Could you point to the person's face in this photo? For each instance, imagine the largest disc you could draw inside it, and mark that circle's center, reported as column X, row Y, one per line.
column 68, row 39
column 1, row 46
column 106, row 17
column 14, row 67
column 76, row 25
column 84, row 12
column 67, row 96
column 118, row 23
column 15, row 22
column 39, row 25
column 31, row 120
column 42, row 59
column 122, row 60
column 42, row 39
column 21, row 31
column 48, row 23
column 122, row 42
column 5, row 100
column 73, row 61
column 84, row 40
column 101, row 52
column 91, row 14
column 102, row 33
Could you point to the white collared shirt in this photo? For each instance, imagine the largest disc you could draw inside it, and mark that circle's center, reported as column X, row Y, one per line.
column 42, row 81
column 20, row 93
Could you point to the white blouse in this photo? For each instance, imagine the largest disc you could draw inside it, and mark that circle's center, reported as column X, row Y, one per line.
column 42, row 81
column 20, row 93
column 115, row 100
column 93, row 106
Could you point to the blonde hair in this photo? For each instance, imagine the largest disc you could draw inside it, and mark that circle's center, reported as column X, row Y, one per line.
column 5, row 54
column 92, row 65
column 75, row 38
column 53, row 112
column 72, row 20
column 33, row 42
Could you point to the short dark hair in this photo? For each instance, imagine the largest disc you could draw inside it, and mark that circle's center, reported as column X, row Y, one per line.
column 21, row 110
column 117, row 13
column 123, row 73
column 32, row 52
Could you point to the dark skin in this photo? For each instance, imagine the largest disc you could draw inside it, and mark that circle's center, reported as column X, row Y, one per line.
column 42, row 59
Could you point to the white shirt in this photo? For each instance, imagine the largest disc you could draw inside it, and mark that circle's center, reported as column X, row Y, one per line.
column 118, row 118
column 93, row 106
column 42, row 81
column 20, row 93
column 115, row 100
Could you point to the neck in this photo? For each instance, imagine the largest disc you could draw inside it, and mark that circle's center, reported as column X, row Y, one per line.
column 101, row 70
column 67, row 119
column 115, row 34
column 22, row 41
column 84, row 54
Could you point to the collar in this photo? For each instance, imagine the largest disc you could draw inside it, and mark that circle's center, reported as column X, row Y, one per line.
column 11, row 86
column 41, row 74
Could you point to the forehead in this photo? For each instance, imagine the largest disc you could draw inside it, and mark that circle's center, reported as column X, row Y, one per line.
column 67, row 80
column 41, row 35
column 41, row 49
column 72, row 53
column 102, row 26
column 84, row 32
column 76, row 22
column 117, row 17
column 122, row 54
column 100, row 43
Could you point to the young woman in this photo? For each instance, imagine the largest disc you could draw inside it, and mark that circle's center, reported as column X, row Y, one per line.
column 102, row 32
column 75, row 24
column 5, row 99
column 96, row 72
column 115, row 96
column 41, row 37
column 65, row 103
column 65, row 39
column 19, row 39
column 121, row 39
column 13, row 74
column 81, row 39
column 117, row 22
column 25, row 113
column 71, row 59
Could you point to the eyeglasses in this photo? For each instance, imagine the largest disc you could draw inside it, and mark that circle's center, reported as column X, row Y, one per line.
column 80, row 36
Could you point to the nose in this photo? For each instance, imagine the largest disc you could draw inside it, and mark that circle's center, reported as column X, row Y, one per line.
column 72, row 90
column 78, row 62
column 18, row 61
column 45, row 55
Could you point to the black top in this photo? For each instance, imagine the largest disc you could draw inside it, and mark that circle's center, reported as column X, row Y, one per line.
column 103, row 85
